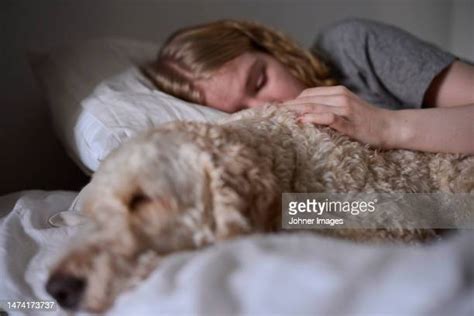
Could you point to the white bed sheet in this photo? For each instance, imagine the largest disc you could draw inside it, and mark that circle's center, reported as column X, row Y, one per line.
column 286, row 274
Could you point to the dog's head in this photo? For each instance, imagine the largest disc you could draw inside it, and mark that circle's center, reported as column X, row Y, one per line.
column 176, row 188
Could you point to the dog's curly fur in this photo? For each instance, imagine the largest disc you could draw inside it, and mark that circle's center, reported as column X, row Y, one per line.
column 186, row 185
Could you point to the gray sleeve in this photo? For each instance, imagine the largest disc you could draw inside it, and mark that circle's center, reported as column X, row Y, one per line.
column 382, row 61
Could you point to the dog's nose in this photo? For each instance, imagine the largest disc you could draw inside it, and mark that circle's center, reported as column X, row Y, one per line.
column 66, row 289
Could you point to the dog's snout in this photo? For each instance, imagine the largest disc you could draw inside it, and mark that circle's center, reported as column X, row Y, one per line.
column 66, row 289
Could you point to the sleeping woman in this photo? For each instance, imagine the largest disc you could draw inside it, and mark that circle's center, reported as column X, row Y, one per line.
column 371, row 81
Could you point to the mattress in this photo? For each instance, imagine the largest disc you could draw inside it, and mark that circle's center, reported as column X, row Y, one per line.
column 284, row 274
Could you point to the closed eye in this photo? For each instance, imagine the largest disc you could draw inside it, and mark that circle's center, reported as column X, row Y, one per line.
column 261, row 80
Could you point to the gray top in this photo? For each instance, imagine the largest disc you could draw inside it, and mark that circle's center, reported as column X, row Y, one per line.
column 384, row 65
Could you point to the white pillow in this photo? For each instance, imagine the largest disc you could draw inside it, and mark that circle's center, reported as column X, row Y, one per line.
column 123, row 106
column 98, row 98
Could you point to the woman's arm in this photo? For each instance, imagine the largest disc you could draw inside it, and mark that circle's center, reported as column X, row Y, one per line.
column 442, row 129
column 446, row 127
column 453, row 86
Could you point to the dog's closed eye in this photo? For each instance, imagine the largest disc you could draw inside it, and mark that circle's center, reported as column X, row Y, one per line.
column 138, row 200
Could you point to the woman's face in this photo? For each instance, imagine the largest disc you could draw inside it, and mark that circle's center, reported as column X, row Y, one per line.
column 250, row 80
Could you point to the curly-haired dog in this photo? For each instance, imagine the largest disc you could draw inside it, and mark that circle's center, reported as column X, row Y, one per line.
column 187, row 185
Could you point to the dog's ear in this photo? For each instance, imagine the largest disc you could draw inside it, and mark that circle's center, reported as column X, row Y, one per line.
column 242, row 191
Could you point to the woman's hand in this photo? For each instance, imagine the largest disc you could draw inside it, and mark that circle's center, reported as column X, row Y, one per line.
column 342, row 110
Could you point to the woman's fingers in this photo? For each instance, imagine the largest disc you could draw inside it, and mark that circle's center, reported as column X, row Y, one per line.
column 330, row 119
column 331, row 90
column 343, row 111
column 303, row 108
column 334, row 100
column 321, row 119
column 344, row 126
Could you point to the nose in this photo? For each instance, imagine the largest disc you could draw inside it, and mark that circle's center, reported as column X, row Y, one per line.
column 66, row 289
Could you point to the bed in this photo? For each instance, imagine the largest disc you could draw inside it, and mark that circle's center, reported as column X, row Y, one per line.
column 285, row 274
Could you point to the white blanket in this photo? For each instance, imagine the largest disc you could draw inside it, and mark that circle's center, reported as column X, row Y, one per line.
column 286, row 274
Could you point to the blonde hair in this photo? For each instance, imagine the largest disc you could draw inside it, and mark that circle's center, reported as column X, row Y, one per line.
column 196, row 52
